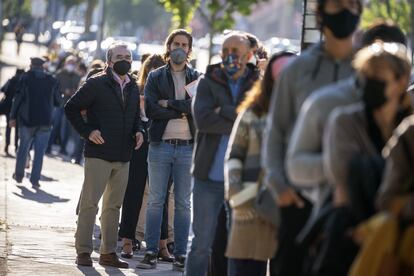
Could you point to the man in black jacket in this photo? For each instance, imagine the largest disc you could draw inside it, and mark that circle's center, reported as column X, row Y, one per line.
column 113, row 127
column 214, row 109
column 171, row 135
column 36, row 96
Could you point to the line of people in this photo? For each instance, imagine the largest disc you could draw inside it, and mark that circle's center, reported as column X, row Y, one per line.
column 300, row 163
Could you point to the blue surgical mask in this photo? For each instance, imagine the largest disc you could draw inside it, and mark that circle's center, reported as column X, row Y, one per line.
column 231, row 64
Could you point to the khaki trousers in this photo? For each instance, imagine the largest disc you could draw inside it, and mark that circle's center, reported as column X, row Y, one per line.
column 110, row 180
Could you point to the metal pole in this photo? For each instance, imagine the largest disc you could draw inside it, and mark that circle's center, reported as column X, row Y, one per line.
column 101, row 23
column 1, row 23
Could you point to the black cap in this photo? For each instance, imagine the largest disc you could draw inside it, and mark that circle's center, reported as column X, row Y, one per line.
column 37, row 61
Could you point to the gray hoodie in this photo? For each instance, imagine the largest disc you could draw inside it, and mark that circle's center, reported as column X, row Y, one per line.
column 310, row 71
column 304, row 156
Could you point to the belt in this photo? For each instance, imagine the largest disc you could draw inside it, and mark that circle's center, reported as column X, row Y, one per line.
column 178, row 142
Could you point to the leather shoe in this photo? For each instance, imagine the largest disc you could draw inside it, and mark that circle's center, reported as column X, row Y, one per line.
column 165, row 256
column 84, row 259
column 112, row 259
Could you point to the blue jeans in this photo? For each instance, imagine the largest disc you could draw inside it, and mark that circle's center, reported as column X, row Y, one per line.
column 165, row 160
column 61, row 129
column 39, row 137
column 208, row 199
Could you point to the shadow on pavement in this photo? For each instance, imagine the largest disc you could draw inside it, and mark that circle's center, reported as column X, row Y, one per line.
column 43, row 178
column 39, row 195
column 85, row 270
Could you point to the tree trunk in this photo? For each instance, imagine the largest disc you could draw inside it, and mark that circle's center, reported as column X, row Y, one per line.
column 210, row 46
column 88, row 14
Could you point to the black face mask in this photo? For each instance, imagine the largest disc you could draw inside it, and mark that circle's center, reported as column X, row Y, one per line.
column 342, row 24
column 374, row 93
column 122, row 67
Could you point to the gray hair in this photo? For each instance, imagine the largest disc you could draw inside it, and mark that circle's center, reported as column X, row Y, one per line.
column 114, row 45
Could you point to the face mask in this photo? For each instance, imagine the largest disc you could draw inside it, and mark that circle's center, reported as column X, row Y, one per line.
column 231, row 64
column 178, row 56
column 342, row 24
column 374, row 93
column 122, row 67
column 253, row 60
column 70, row 68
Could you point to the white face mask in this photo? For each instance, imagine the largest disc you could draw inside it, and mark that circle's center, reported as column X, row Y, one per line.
column 253, row 60
column 70, row 67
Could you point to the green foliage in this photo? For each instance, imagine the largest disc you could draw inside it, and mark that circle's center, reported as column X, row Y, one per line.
column 16, row 9
column 182, row 11
column 400, row 11
column 71, row 3
column 219, row 14
column 127, row 15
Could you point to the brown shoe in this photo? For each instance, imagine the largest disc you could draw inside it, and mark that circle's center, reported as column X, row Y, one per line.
column 111, row 259
column 84, row 259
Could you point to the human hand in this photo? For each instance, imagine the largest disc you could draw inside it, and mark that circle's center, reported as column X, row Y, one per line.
column 139, row 138
column 95, row 137
column 12, row 123
column 288, row 198
column 163, row 103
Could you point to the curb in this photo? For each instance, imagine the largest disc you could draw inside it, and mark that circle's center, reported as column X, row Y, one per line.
column 3, row 223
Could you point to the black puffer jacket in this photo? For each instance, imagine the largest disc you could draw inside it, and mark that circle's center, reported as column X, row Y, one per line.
column 118, row 122
column 160, row 86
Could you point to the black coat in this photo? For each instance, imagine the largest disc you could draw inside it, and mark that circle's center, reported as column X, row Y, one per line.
column 160, row 86
column 213, row 91
column 9, row 88
column 118, row 122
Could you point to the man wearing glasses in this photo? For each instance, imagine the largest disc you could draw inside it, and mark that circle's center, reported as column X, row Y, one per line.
column 111, row 131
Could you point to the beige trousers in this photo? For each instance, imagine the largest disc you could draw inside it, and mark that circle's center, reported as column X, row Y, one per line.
column 110, row 180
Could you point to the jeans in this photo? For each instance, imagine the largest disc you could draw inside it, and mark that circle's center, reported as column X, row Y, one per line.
column 239, row 267
column 208, row 199
column 165, row 160
column 39, row 136
column 218, row 261
column 8, row 134
column 61, row 129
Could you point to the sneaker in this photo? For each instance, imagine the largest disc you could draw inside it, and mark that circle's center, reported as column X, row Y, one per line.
column 149, row 261
column 179, row 263
column 35, row 185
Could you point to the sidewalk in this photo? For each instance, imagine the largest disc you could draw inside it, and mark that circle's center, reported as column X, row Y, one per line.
column 8, row 56
column 37, row 227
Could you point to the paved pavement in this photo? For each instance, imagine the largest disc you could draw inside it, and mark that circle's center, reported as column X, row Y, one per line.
column 37, row 226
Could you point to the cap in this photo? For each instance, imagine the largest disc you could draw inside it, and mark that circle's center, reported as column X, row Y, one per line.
column 37, row 61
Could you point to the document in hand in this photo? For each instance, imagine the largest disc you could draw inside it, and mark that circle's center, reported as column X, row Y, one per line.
column 191, row 88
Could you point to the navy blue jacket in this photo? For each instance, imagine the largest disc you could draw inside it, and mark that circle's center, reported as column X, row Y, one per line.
column 36, row 96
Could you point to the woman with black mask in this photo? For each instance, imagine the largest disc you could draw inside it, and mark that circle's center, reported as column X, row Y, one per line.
column 353, row 142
